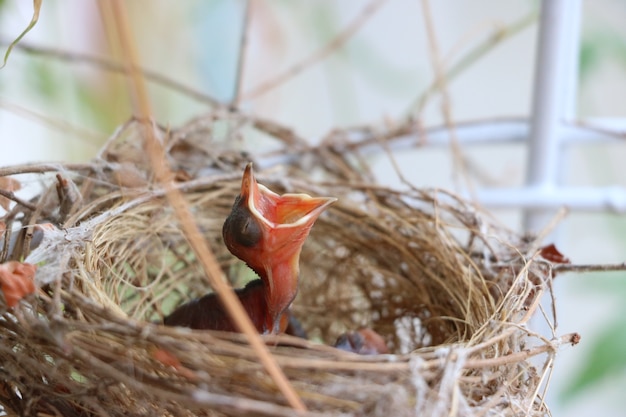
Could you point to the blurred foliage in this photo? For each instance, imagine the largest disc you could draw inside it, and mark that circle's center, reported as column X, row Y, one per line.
column 105, row 108
column 605, row 353
column 597, row 47
column 605, row 359
column 605, row 356
column 102, row 105
column 43, row 80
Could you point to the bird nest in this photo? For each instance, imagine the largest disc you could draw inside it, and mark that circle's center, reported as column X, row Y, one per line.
column 451, row 292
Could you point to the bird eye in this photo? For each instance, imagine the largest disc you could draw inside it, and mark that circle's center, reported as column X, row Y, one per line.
column 242, row 228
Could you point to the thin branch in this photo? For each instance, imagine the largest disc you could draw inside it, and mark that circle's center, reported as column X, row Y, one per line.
column 243, row 48
column 579, row 268
column 530, row 312
column 517, row 357
column 113, row 66
column 336, row 43
column 497, row 37
column 37, row 168
column 183, row 212
column 589, row 267
column 11, row 196
column 93, row 138
column 441, row 82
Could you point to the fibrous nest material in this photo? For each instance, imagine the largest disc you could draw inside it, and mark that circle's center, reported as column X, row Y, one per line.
column 450, row 291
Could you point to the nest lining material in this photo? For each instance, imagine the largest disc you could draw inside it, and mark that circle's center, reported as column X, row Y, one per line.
column 449, row 289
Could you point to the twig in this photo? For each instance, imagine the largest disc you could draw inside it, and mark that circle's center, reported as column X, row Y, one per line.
column 93, row 138
column 244, row 405
column 183, row 212
column 106, row 146
column 508, row 332
column 441, row 82
column 11, row 196
column 400, row 364
column 498, row 36
column 284, row 133
column 34, row 168
column 589, row 267
column 579, row 268
column 243, row 48
column 516, row 357
column 546, row 376
column 109, row 65
column 218, row 401
column 367, row 137
column 336, row 43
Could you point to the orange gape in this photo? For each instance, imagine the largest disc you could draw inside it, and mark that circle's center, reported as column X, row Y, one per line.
column 266, row 231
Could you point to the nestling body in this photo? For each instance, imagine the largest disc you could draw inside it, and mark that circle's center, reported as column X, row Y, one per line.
column 266, row 231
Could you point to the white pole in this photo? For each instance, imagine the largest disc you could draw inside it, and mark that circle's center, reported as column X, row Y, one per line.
column 557, row 46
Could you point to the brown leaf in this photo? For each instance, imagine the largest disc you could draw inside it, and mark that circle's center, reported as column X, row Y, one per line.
column 552, row 254
column 8, row 184
column 17, row 281
column 168, row 359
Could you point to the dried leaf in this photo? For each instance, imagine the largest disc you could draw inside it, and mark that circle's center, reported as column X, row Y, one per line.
column 552, row 254
column 8, row 184
column 17, row 281
column 168, row 359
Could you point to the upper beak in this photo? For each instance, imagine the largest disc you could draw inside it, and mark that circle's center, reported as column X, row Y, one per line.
column 285, row 219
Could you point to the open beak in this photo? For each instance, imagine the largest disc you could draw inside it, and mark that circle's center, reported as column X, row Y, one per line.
column 277, row 226
column 285, row 219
